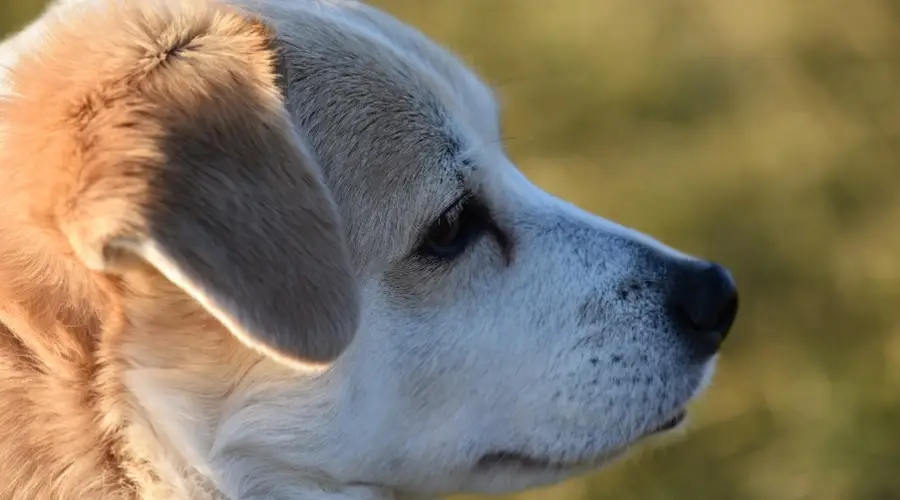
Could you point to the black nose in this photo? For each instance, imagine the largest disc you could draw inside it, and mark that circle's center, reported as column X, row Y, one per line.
column 704, row 302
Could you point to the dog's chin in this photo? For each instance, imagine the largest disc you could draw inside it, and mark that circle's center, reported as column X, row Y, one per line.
column 514, row 461
column 500, row 472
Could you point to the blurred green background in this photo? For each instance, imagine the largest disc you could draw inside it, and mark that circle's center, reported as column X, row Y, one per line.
column 764, row 134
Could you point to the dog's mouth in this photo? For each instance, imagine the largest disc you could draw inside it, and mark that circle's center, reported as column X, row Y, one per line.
column 510, row 459
column 668, row 425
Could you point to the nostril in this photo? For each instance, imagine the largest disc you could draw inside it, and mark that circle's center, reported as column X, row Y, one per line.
column 727, row 314
column 706, row 299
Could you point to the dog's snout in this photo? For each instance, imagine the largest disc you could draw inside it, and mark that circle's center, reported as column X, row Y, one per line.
column 704, row 300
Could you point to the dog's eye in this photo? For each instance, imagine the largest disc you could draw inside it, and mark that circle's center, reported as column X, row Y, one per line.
column 452, row 232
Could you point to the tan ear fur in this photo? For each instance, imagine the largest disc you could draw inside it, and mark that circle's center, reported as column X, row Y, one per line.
column 163, row 138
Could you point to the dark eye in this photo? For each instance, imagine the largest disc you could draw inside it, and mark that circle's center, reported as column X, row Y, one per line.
column 452, row 232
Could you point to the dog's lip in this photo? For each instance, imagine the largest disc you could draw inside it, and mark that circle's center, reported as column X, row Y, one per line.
column 522, row 460
column 510, row 458
column 669, row 424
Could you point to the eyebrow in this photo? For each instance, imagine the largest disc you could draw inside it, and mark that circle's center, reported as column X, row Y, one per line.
column 455, row 166
column 454, row 172
column 448, row 198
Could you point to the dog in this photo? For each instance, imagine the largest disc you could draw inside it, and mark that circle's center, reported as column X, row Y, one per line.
column 273, row 249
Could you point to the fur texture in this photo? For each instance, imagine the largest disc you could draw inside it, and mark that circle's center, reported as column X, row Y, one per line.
column 224, row 270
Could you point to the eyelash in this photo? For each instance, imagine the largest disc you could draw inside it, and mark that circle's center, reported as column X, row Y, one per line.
column 448, row 237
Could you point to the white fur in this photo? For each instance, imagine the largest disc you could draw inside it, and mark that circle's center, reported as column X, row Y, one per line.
column 540, row 355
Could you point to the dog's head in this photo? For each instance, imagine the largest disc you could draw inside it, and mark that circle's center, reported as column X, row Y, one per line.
column 506, row 338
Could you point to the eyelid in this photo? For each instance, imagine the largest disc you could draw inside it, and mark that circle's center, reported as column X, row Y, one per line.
column 450, row 213
column 456, row 208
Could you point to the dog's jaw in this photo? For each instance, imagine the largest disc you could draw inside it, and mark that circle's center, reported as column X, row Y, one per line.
column 199, row 430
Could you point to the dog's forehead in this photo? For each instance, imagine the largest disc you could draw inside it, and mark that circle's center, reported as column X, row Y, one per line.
column 393, row 118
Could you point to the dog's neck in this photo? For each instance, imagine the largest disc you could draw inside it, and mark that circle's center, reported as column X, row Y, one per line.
column 59, row 419
column 69, row 425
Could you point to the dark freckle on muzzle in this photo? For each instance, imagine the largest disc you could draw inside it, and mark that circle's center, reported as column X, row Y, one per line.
column 591, row 311
column 597, row 308
column 629, row 290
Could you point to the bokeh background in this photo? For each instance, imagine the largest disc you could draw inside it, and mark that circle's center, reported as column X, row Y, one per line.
column 764, row 134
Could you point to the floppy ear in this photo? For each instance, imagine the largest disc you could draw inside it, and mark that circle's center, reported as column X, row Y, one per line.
column 176, row 149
